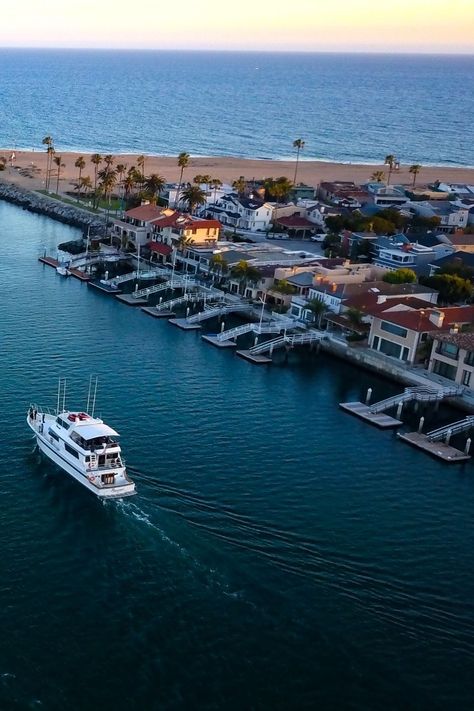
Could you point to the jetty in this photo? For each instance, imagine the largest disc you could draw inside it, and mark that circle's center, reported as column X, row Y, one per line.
column 228, row 338
column 437, row 442
column 256, row 354
column 211, row 311
column 376, row 414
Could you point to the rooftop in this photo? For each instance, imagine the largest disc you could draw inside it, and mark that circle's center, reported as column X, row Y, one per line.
column 462, row 340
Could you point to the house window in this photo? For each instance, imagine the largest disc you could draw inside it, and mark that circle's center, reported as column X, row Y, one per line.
column 444, row 369
column 391, row 349
column 392, row 328
column 466, row 377
column 469, row 359
column 449, row 350
column 375, row 343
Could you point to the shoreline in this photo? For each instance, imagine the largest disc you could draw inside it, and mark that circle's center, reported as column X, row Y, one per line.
column 227, row 169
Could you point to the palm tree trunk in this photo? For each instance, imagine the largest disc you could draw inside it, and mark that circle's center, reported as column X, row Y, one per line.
column 296, row 166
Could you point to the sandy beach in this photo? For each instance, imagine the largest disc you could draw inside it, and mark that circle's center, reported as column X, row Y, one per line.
column 226, row 169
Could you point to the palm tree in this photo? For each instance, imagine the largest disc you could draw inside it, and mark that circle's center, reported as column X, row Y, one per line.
column 120, row 170
column 414, row 170
column 215, row 184
column 60, row 164
column 245, row 273
column 141, row 165
column 317, row 308
column 154, row 185
column 378, row 176
column 194, row 197
column 390, row 160
column 108, row 180
column 81, row 164
column 85, row 184
column 129, row 184
column 48, row 142
column 217, row 264
column 299, row 144
column 183, row 162
column 280, row 188
column 240, row 185
column 96, row 160
column 109, row 160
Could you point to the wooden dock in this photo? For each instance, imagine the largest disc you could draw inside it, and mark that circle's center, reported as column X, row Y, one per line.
column 212, row 339
column 182, row 323
column 105, row 288
column 379, row 419
column 49, row 261
column 152, row 311
column 256, row 359
column 79, row 274
column 131, row 301
column 440, row 450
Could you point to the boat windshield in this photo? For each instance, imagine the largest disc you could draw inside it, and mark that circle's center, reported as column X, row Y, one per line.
column 94, row 442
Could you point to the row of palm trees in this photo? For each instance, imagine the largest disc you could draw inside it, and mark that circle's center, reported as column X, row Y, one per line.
column 391, row 161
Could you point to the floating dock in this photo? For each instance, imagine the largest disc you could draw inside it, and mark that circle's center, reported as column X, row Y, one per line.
column 254, row 358
column 49, row 261
column 131, row 300
column 213, row 340
column 380, row 419
column 152, row 311
column 440, row 450
column 105, row 288
column 184, row 324
column 79, row 274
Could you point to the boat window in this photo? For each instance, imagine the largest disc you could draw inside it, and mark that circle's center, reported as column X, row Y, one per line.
column 61, row 422
column 53, row 435
column 71, row 450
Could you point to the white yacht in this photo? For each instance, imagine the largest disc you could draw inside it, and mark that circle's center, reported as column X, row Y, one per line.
column 62, row 271
column 84, row 447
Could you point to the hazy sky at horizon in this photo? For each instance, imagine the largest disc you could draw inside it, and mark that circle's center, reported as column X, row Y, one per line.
column 309, row 25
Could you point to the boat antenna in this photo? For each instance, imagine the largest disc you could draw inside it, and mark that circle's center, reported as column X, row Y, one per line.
column 61, row 395
column 94, row 381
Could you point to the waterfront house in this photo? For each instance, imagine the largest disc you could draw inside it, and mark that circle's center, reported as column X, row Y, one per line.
column 451, row 217
column 173, row 227
column 462, row 242
column 246, row 213
column 400, row 330
column 452, row 356
column 456, row 259
column 135, row 227
column 387, row 195
column 343, row 194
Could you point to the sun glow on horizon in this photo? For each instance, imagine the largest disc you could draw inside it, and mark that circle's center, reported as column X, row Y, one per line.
column 313, row 25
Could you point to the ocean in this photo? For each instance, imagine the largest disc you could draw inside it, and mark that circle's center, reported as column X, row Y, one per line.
column 347, row 107
column 280, row 554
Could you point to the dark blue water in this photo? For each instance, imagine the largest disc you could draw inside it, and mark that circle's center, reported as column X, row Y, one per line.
column 280, row 554
column 351, row 108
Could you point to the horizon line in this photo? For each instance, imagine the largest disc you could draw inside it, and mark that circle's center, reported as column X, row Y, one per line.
column 404, row 52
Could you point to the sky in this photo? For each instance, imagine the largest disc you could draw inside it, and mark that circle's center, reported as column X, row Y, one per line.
column 445, row 26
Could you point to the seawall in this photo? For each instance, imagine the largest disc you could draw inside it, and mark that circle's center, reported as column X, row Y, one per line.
column 43, row 205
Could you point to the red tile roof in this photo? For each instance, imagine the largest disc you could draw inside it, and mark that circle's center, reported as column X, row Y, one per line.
column 458, row 240
column 160, row 248
column 418, row 320
column 204, row 225
column 296, row 221
column 145, row 212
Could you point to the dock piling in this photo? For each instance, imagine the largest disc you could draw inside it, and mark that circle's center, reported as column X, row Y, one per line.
column 222, row 326
column 421, row 423
column 468, row 446
column 399, row 409
column 368, row 396
column 448, row 436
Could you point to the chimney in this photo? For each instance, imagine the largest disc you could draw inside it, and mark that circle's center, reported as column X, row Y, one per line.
column 381, row 299
column 437, row 317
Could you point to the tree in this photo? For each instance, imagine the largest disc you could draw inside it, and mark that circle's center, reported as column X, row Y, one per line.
column 141, row 165
column 414, row 170
column 81, row 164
column 354, row 316
column 58, row 161
column 85, row 184
column 279, row 189
column 381, row 226
column 183, row 162
column 400, row 276
column 245, row 273
column 452, row 289
column 378, row 176
column 317, row 308
column 48, row 142
column 96, row 160
column 217, row 264
column 215, row 184
column 299, row 144
column 390, row 160
column 194, row 197
column 109, row 160
column 108, row 180
column 284, row 286
column 154, row 184
column 240, row 185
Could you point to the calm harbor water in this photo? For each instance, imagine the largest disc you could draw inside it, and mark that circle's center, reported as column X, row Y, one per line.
column 280, row 554
column 348, row 107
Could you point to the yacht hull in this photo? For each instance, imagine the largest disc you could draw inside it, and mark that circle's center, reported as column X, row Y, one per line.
column 112, row 492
